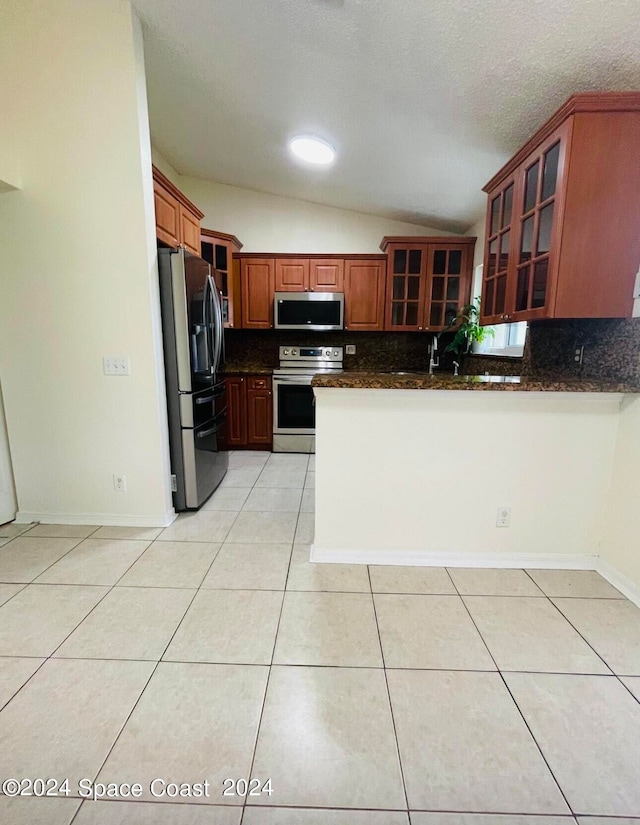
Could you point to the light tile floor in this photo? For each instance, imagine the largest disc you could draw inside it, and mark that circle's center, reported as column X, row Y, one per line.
column 213, row 650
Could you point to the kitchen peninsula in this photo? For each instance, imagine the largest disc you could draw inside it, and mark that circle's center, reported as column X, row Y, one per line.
column 414, row 469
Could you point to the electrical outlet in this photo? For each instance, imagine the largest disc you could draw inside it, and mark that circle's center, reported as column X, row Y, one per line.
column 503, row 518
column 119, row 483
column 113, row 365
column 350, row 349
column 578, row 355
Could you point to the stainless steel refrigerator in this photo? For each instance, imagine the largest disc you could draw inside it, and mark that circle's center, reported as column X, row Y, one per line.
column 193, row 353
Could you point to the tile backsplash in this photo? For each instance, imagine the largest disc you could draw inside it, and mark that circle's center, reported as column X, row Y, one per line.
column 611, row 348
column 376, row 351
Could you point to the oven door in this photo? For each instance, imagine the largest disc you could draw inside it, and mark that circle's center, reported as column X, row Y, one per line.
column 294, row 411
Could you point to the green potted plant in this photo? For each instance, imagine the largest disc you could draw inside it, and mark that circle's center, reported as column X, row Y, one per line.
column 468, row 329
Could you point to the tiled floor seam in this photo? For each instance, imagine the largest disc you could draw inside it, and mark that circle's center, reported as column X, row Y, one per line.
column 266, row 687
column 618, row 676
column 586, row 641
column 110, row 589
column 386, row 682
column 146, row 684
column 73, row 630
column 48, row 567
column 561, row 791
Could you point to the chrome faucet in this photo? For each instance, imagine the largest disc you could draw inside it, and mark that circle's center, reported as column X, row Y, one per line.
column 456, row 364
column 433, row 360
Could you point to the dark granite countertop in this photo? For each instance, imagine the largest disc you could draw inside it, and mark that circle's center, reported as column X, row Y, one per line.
column 246, row 369
column 446, row 381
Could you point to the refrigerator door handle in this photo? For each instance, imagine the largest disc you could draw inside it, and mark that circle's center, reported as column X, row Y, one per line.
column 209, row 321
column 223, row 354
column 215, row 305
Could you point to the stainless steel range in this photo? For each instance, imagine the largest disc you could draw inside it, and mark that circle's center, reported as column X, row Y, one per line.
column 294, row 412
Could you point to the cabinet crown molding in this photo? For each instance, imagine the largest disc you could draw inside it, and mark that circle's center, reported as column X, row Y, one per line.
column 425, row 239
column 312, row 256
column 222, row 236
column 578, row 103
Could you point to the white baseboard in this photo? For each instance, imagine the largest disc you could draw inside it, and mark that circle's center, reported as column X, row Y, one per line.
column 623, row 583
column 420, row 558
column 99, row 519
column 423, row 558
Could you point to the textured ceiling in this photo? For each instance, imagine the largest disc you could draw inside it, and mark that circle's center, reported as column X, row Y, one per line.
column 423, row 99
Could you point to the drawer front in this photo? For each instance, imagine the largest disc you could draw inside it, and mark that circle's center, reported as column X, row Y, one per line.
column 259, row 383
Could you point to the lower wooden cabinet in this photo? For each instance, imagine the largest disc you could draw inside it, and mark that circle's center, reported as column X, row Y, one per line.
column 249, row 413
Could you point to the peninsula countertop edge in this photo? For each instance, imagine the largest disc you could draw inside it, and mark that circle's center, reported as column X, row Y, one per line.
column 442, row 381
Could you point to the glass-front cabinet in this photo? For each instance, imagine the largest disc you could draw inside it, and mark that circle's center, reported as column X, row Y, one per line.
column 219, row 250
column 524, row 214
column 537, row 222
column 498, row 253
column 428, row 281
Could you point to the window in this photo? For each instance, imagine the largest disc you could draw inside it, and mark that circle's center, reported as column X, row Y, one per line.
column 508, row 340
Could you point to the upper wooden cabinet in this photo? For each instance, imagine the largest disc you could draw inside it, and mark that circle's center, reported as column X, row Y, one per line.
column 177, row 219
column 428, row 281
column 309, row 274
column 257, row 280
column 220, row 251
column 292, row 274
column 562, row 237
column 326, row 275
column 364, row 289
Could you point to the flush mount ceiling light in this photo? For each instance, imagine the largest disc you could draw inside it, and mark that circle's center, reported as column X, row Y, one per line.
column 312, row 149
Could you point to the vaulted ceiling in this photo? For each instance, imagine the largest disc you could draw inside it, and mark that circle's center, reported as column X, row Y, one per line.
column 424, row 100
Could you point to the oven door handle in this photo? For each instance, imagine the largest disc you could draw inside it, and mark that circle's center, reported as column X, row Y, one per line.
column 292, row 379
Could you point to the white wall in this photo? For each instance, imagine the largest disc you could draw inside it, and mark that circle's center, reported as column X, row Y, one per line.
column 78, row 256
column 478, row 230
column 269, row 223
column 8, row 504
column 9, row 167
column 620, row 544
column 417, row 476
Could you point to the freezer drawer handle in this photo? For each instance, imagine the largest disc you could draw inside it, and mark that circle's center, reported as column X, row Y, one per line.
column 205, row 433
column 217, row 392
column 215, row 429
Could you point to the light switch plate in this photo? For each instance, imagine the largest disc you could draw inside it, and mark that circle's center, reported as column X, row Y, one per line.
column 115, row 365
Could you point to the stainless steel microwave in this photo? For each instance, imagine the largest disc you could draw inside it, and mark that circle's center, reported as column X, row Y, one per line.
column 309, row 310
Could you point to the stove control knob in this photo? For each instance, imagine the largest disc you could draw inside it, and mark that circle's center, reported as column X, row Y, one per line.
column 285, row 352
column 327, row 352
column 294, row 352
column 335, row 352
